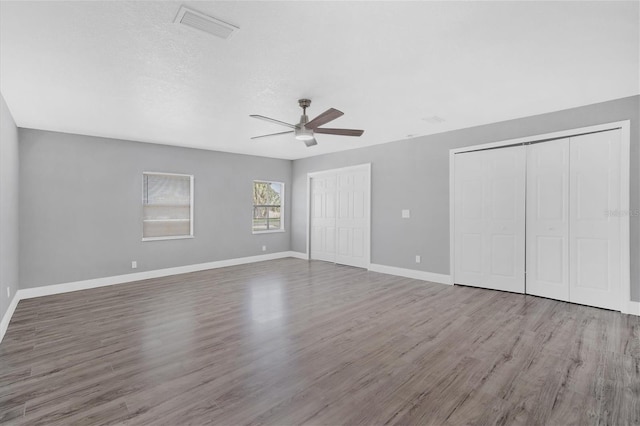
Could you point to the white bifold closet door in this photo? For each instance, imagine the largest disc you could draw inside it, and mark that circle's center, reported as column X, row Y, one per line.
column 490, row 218
column 573, row 233
column 548, row 219
column 594, row 234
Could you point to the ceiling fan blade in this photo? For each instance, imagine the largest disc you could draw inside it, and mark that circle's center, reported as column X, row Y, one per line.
column 311, row 142
column 272, row 134
column 343, row 132
column 272, row 120
column 327, row 116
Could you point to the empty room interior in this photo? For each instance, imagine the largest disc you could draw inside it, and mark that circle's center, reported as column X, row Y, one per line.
column 319, row 212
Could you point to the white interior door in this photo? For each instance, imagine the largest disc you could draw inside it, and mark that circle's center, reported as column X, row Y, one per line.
column 340, row 216
column 594, row 247
column 548, row 219
column 352, row 219
column 490, row 219
column 323, row 218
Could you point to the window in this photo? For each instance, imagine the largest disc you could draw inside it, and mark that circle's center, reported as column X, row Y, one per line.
column 268, row 200
column 167, row 206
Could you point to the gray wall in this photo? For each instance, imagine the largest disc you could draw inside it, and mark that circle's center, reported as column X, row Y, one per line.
column 8, row 206
column 414, row 174
column 80, row 198
column 80, row 206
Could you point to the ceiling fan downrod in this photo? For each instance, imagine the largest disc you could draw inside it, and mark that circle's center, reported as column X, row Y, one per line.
column 304, row 104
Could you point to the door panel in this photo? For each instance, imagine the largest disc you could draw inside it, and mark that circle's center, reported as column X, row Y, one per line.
column 470, row 256
column 505, row 241
column 469, row 218
column 352, row 221
column 471, row 197
column 503, row 192
column 594, row 243
column 359, row 243
column 548, row 219
column 591, row 256
column 339, row 222
column 489, row 218
column 323, row 218
column 503, row 248
column 551, row 266
column 344, row 240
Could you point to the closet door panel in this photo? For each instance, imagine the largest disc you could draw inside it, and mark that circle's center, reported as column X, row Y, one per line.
column 594, row 227
column 469, row 218
column 548, row 219
column 504, row 177
column 489, row 218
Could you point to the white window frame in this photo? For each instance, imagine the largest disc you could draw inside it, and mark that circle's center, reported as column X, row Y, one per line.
column 282, row 201
column 173, row 237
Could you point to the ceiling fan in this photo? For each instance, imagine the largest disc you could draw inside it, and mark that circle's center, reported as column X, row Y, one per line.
column 305, row 129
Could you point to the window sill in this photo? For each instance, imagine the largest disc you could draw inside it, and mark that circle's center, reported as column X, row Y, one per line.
column 177, row 237
column 271, row 231
column 164, row 220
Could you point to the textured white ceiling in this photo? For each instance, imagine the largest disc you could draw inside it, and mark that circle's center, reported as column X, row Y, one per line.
column 125, row 70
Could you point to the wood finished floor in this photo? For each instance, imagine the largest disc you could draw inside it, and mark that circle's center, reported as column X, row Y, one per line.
column 295, row 342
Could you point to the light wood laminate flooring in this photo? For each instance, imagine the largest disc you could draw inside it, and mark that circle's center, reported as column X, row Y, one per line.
column 295, row 342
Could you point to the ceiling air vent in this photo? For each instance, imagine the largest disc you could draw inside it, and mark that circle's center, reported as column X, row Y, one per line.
column 434, row 119
column 208, row 24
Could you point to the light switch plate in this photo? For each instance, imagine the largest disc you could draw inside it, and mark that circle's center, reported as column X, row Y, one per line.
column 406, row 214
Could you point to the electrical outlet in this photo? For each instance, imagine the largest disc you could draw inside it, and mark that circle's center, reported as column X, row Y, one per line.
column 134, row 264
column 264, row 248
column 418, row 259
column 406, row 214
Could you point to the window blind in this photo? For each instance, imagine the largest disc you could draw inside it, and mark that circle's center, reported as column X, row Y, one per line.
column 167, row 205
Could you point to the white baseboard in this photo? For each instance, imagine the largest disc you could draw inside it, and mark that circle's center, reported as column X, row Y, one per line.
column 299, row 255
column 412, row 273
column 47, row 290
column 4, row 324
column 633, row 308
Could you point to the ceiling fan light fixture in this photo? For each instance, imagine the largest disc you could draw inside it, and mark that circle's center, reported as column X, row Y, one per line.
column 304, row 137
column 304, row 134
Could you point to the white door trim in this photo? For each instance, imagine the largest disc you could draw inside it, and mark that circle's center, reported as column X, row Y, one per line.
column 627, row 305
column 366, row 167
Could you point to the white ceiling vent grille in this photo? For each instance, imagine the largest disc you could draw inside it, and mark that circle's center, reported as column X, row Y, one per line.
column 434, row 119
column 208, row 24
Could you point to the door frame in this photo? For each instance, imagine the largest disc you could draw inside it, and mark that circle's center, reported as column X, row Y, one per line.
column 366, row 167
column 627, row 306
